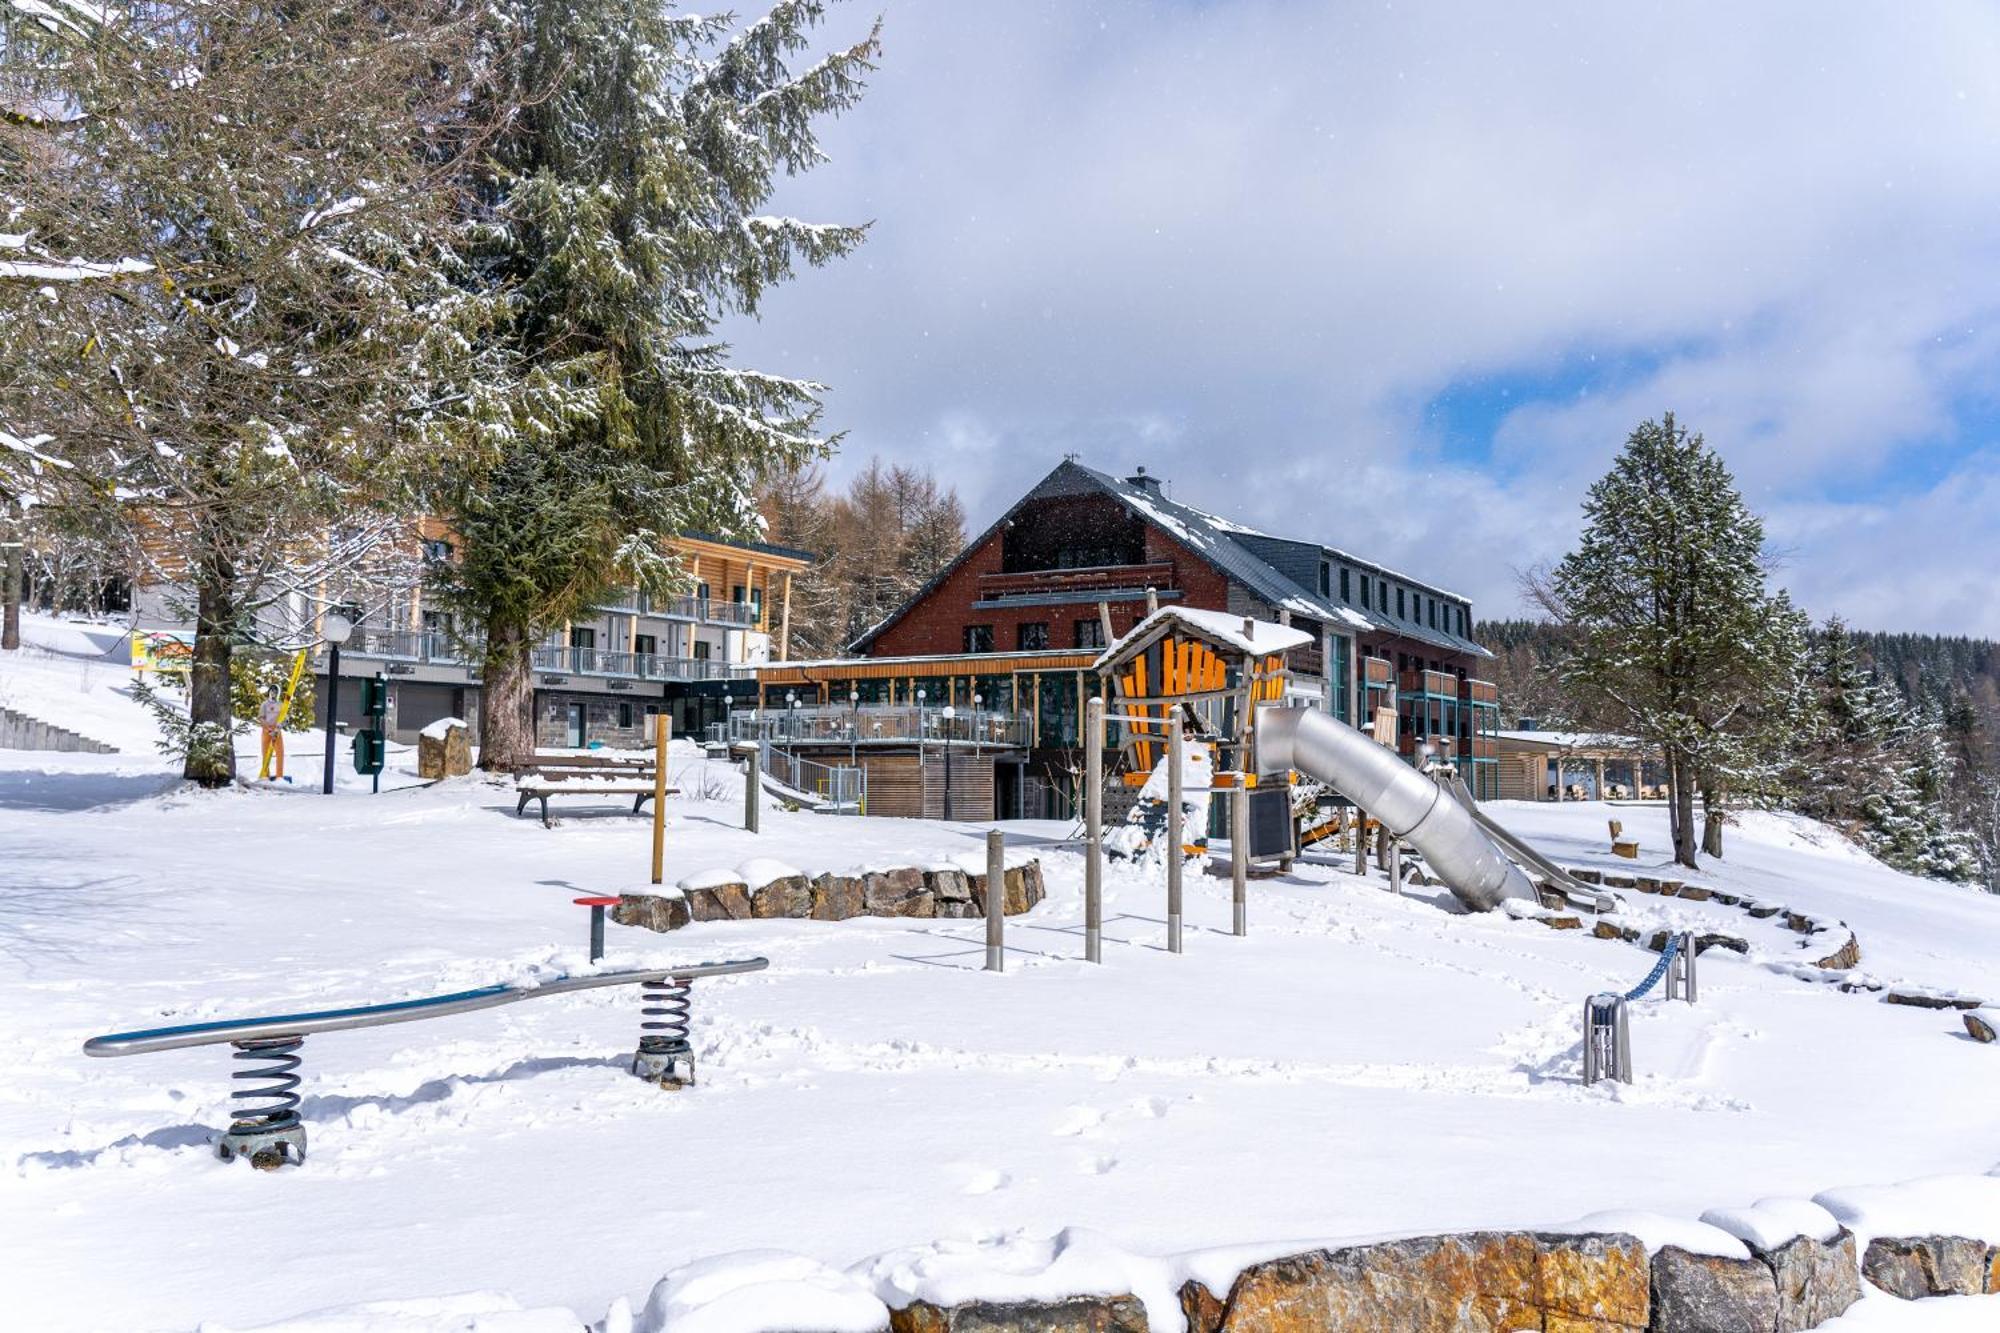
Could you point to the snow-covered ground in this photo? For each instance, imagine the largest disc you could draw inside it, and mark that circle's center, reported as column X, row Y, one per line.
column 1362, row 1064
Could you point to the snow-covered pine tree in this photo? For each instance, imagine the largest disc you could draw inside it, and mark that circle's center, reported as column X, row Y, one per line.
column 1665, row 592
column 621, row 222
column 271, row 187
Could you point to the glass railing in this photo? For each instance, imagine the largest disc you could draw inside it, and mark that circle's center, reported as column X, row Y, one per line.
column 880, row 723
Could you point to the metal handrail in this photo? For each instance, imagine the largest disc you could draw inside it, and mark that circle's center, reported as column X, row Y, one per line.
column 148, row 1040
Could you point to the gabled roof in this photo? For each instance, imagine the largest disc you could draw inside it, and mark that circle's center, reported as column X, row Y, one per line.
column 1212, row 538
column 1264, row 637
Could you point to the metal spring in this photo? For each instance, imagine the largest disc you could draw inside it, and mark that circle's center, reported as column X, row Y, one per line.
column 273, row 1105
column 664, row 1028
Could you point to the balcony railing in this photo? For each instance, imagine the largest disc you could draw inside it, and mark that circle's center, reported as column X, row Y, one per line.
column 1378, row 671
column 1090, row 578
column 1429, row 682
column 1307, row 661
column 710, row 609
column 880, row 724
column 408, row 646
column 1482, row 692
column 630, row 666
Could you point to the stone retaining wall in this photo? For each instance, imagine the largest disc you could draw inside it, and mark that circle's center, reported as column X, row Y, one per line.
column 1499, row 1281
column 907, row 891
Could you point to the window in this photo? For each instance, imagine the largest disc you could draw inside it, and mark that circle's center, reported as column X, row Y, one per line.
column 701, row 650
column 624, row 715
column 581, row 636
column 1325, row 579
column 1345, row 592
column 436, row 552
column 756, row 606
column 1367, row 590
column 1432, row 611
column 645, row 644
column 1090, row 633
column 1034, row 636
column 978, row 638
column 1382, row 596
column 1400, row 613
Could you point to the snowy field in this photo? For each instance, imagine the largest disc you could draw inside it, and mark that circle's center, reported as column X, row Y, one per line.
column 1362, row 1064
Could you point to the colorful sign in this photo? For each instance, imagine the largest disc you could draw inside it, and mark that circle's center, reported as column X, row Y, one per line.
column 155, row 650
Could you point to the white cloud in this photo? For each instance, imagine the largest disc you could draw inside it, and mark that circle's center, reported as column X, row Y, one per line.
column 1245, row 244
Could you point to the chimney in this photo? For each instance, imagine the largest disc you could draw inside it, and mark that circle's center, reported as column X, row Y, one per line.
column 1149, row 484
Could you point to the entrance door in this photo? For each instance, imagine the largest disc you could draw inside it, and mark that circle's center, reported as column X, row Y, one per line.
column 576, row 740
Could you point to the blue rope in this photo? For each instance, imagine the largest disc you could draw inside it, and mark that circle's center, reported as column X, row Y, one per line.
column 1659, row 968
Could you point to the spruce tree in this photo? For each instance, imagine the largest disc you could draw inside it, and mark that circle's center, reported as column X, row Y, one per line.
column 265, row 192
column 1677, row 639
column 621, row 223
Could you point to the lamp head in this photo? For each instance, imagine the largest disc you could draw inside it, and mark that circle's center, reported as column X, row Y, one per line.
column 336, row 627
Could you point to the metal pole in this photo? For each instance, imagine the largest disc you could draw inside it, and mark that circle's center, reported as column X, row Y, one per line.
column 332, row 710
column 1174, row 832
column 1239, row 852
column 661, row 728
column 597, row 931
column 1688, row 951
column 753, row 766
column 381, row 735
column 1093, row 831
column 947, row 768
column 996, row 901
column 1396, row 865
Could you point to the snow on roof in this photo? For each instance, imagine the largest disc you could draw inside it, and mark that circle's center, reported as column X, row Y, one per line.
column 1574, row 740
column 1264, row 636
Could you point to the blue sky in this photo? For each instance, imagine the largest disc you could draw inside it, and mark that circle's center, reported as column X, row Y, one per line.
column 1403, row 277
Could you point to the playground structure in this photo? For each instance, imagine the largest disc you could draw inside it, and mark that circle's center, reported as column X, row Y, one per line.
column 266, row 1128
column 1607, row 1029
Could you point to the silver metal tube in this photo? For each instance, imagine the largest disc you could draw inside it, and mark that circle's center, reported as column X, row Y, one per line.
column 1591, row 1071
column 1239, row 852
column 1688, row 950
column 753, row 782
column 1093, row 831
column 148, row 1040
column 1396, row 865
column 1174, row 838
column 996, row 901
column 1408, row 804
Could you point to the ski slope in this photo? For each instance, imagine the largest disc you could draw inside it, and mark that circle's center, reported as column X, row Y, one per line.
column 875, row 1113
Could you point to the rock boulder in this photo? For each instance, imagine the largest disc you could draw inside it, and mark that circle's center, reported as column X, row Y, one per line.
column 652, row 911
column 1077, row 1314
column 1705, row 1291
column 836, row 897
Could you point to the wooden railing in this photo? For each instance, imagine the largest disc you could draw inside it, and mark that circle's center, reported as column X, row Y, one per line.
column 1091, row 578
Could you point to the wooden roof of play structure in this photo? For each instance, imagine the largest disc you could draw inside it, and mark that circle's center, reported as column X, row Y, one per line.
column 1215, row 666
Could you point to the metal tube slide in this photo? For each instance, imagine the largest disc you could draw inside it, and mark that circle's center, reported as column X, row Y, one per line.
column 1575, row 891
column 1411, row 805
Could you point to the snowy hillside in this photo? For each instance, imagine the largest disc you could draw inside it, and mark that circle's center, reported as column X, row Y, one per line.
column 874, row 1106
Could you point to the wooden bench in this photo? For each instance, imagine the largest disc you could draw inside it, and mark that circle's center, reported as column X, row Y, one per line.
column 581, row 773
column 1622, row 845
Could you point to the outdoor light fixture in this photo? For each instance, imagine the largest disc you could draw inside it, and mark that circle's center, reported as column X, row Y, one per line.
column 335, row 628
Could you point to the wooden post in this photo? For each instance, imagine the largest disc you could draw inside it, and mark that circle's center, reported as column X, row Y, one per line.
column 1093, row 831
column 1239, row 853
column 1104, row 621
column 785, row 621
column 1174, row 837
column 996, row 901
column 662, row 725
column 753, row 778
column 1360, row 843
column 1152, row 599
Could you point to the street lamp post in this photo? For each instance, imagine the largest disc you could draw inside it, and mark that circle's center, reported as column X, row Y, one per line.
column 336, row 628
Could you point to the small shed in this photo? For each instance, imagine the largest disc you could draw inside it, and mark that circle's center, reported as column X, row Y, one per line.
column 1214, row 666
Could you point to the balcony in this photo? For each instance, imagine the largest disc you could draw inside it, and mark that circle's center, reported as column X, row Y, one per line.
column 629, row 666
column 1439, row 684
column 709, row 610
column 1482, row 692
column 407, row 646
column 1306, row 661
column 889, row 724
column 1081, row 584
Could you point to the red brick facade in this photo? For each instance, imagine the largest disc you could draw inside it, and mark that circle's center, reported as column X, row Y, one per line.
column 936, row 625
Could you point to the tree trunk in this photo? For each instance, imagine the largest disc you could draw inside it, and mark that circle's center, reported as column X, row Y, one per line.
column 506, row 699
column 1680, row 774
column 211, row 756
column 1712, row 818
column 10, row 591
